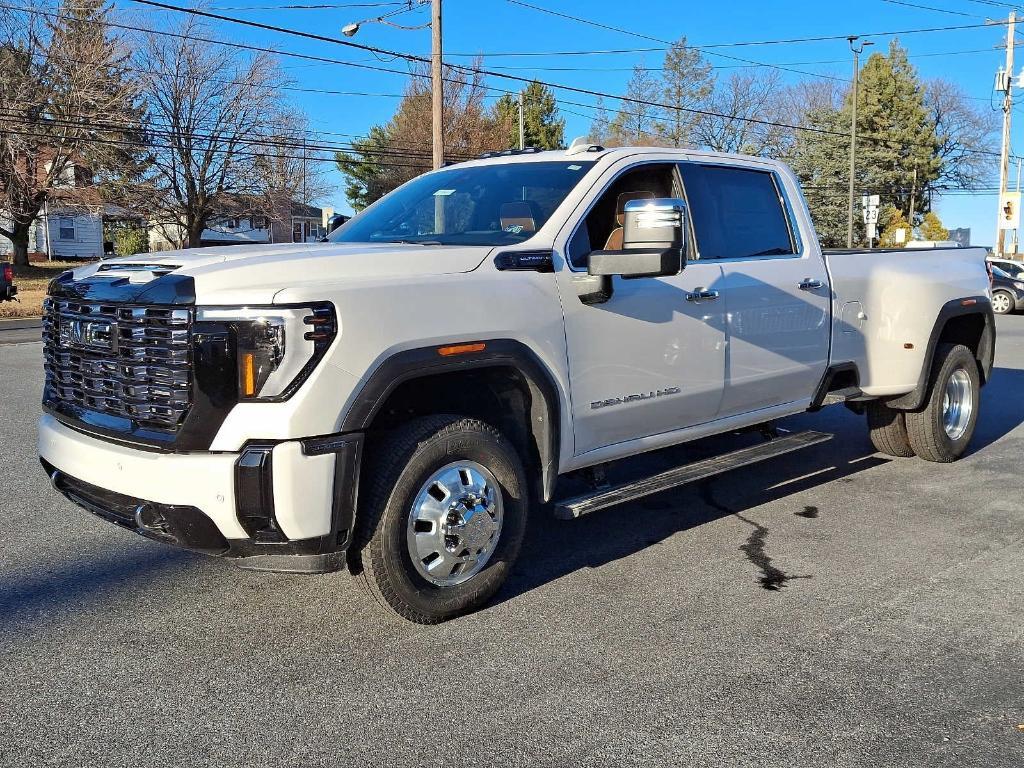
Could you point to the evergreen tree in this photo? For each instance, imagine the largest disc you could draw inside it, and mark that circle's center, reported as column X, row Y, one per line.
column 897, row 147
column 400, row 149
column 932, row 229
column 895, row 229
column 542, row 126
column 638, row 121
column 687, row 84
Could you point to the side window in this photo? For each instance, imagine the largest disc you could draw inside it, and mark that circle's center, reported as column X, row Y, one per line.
column 578, row 248
column 601, row 229
column 737, row 212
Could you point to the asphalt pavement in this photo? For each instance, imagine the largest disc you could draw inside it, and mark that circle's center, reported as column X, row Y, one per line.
column 20, row 331
column 835, row 607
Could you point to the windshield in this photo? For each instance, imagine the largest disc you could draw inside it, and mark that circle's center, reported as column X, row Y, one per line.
column 483, row 205
column 1000, row 273
column 1009, row 269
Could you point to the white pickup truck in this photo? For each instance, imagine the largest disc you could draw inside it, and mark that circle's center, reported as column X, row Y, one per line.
column 397, row 398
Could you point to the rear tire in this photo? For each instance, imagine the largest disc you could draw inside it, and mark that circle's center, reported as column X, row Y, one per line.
column 1002, row 302
column 943, row 428
column 442, row 517
column 888, row 430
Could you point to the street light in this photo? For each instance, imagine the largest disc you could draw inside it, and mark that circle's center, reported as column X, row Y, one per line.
column 857, row 51
column 436, row 92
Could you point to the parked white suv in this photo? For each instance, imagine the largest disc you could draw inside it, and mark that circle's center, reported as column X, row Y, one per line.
column 399, row 397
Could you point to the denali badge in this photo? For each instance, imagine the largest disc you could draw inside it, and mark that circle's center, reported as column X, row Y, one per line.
column 633, row 398
column 87, row 333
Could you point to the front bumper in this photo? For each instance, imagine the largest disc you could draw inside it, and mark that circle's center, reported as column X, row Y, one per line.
column 282, row 506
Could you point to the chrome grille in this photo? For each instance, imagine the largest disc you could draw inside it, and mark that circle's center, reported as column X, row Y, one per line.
column 122, row 361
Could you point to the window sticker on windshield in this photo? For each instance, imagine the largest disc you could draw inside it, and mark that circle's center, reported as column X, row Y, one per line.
column 575, row 167
column 444, row 192
column 514, row 229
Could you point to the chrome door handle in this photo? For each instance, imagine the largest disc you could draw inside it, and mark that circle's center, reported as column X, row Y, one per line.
column 702, row 294
column 807, row 284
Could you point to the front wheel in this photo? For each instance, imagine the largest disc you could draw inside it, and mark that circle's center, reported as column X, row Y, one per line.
column 443, row 518
column 1002, row 303
column 942, row 429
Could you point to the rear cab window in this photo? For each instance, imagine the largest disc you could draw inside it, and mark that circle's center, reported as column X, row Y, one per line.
column 738, row 213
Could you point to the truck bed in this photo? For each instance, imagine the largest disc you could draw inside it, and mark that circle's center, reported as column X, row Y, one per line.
column 885, row 302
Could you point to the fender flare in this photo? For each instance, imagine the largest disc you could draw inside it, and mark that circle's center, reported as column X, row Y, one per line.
column 421, row 362
column 971, row 305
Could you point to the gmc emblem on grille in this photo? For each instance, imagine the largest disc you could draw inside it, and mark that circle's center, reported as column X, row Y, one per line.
column 91, row 334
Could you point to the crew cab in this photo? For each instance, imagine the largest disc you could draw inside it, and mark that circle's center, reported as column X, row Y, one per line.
column 400, row 397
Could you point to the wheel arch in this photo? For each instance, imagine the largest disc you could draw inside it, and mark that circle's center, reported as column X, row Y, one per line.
column 504, row 382
column 968, row 321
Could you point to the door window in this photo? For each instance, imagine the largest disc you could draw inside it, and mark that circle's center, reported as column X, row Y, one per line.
column 601, row 229
column 737, row 213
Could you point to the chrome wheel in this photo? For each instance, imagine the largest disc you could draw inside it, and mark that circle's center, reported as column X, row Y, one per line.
column 455, row 523
column 957, row 404
column 1001, row 302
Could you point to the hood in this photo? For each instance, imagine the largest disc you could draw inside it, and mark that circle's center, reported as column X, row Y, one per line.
column 254, row 273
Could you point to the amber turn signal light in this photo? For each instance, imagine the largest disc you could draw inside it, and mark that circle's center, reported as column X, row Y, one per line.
column 461, row 349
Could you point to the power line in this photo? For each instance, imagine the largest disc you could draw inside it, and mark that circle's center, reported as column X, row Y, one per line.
column 277, row 142
column 751, row 43
column 516, row 78
column 460, row 68
column 932, row 8
column 304, row 7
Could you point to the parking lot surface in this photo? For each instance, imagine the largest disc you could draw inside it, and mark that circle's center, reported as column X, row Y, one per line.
column 834, row 607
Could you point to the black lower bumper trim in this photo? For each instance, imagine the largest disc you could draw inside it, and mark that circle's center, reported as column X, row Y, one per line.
column 183, row 526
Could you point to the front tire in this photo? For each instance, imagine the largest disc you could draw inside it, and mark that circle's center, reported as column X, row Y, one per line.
column 943, row 428
column 443, row 517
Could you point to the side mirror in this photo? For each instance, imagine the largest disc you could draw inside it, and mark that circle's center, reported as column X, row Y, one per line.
column 653, row 241
column 335, row 221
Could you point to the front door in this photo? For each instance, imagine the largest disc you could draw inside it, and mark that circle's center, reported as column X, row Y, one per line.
column 649, row 360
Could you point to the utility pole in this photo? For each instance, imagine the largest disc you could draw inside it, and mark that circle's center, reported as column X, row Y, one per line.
column 1004, row 159
column 913, row 194
column 857, row 50
column 522, row 122
column 436, row 84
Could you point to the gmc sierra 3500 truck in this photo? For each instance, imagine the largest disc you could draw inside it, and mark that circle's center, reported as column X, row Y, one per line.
column 396, row 398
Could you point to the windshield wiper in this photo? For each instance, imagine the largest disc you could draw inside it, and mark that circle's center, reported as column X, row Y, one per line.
column 415, row 242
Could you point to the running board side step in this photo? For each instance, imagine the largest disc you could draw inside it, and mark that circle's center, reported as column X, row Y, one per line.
column 578, row 506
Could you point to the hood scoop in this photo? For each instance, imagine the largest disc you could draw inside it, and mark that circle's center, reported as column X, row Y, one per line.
column 136, row 273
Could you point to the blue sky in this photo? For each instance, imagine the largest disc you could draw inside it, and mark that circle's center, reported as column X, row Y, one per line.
column 495, row 28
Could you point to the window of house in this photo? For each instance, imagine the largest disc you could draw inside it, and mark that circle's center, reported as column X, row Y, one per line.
column 66, row 228
column 737, row 213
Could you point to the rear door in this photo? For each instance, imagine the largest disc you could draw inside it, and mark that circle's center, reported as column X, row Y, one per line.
column 775, row 286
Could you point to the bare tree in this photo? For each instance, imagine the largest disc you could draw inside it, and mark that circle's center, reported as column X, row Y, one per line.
column 961, row 129
column 214, row 128
column 639, row 119
column 68, row 108
column 744, row 97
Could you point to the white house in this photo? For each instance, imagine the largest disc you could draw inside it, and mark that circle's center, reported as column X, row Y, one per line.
column 301, row 224
column 64, row 233
column 70, row 226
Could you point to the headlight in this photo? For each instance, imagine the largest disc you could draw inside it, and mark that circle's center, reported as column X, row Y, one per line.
column 276, row 348
column 1019, row 286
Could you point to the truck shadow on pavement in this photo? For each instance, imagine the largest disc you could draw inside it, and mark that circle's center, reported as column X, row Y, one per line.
column 556, row 548
column 86, row 581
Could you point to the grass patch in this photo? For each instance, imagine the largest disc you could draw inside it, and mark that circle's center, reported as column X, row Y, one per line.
column 32, row 281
